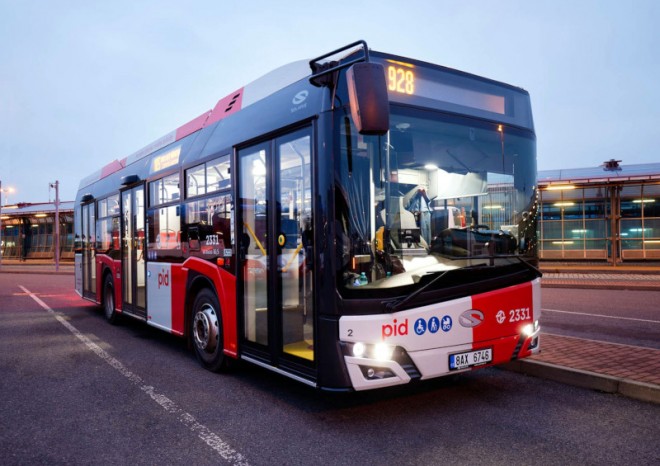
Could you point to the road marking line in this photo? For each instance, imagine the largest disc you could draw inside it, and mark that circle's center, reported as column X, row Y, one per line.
column 203, row 432
column 603, row 316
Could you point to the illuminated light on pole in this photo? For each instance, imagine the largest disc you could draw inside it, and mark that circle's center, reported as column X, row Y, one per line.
column 56, row 185
column 8, row 190
column 1, row 245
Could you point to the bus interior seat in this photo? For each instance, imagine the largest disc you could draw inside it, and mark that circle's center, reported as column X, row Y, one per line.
column 402, row 219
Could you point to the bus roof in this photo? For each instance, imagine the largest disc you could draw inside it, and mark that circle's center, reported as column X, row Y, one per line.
column 289, row 74
column 228, row 105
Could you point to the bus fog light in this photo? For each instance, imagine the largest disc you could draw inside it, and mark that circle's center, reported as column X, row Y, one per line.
column 383, row 352
column 359, row 349
column 376, row 373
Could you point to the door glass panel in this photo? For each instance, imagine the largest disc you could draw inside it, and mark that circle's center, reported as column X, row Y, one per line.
column 254, row 244
column 89, row 272
column 85, row 246
column 133, row 249
column 295, row 246
column 127, row 246
column 92, row 247
column 139, row 239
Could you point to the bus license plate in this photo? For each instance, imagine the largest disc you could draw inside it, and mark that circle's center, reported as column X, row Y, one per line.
column 469, row 359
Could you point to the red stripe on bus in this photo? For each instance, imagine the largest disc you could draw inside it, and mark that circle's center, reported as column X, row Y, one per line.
column 192, row 126
column 225, row 287
column 111, row 168
column 226, row 106
column 505, row 313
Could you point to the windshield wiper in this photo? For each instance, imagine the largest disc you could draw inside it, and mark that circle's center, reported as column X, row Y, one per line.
column 520, row 258
column 395, row 305
column 529, row 266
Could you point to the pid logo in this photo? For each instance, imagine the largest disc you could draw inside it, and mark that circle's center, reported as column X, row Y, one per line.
column 163, row 278
column 394, row 329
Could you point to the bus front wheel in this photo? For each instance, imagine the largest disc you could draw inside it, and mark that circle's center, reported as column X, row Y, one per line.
column 206, row 331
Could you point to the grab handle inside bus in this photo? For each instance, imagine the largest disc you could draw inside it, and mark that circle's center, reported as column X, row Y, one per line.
column 367, row 91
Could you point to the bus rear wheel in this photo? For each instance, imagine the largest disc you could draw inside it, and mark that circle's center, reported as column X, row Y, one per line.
column 109, row 300
column 206, row 331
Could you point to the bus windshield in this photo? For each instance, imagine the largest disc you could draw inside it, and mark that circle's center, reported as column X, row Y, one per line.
column 436, row 193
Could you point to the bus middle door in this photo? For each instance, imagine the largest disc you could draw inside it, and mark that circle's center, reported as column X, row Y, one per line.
column 133, row 251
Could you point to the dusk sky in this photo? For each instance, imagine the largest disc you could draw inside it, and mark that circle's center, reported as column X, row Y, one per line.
column 85, row 82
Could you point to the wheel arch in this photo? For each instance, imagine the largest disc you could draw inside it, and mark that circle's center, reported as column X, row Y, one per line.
column 203, row 274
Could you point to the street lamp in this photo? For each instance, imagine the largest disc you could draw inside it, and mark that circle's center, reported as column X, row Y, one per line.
column 56, row 185
column 1, row 245
column 6, row 190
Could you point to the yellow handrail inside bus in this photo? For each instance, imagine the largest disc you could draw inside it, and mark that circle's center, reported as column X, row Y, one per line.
column 286, row 267
column 256, row 240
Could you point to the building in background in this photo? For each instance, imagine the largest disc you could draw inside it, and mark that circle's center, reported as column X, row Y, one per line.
column 28, row 231
column 609, row 213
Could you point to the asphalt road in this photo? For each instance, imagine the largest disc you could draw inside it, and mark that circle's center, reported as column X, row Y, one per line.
column 615, row 316
column 76, row 390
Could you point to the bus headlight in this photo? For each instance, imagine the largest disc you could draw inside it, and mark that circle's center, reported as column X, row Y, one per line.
column 359, row 349
column 530, row 329
column 379, row 351
column 383, row 352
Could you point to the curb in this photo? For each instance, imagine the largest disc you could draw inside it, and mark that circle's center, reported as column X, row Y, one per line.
column 601, row 286
column 603, row 271
column 37, row 272
column 584, row 379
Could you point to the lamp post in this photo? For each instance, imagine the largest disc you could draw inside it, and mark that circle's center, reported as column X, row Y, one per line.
column 8, row 190
column 56, row 185
column 1, row 248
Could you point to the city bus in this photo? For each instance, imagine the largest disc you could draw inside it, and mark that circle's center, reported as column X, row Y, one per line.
column 356, row 221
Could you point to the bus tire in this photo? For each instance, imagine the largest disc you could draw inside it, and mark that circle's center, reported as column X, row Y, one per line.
column 109, row 311
column 206, row 331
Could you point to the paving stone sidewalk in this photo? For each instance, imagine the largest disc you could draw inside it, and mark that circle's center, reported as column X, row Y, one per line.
column 616, row 360
column 632, row 371
column 615, row 281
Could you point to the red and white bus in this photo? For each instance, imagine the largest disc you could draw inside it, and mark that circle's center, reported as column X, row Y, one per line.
column 356, row 221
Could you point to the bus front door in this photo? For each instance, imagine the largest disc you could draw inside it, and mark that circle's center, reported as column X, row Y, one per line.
column 275, row 192
column 132, row 251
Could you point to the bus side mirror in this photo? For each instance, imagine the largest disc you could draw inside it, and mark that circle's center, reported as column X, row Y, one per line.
column 367, row 92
